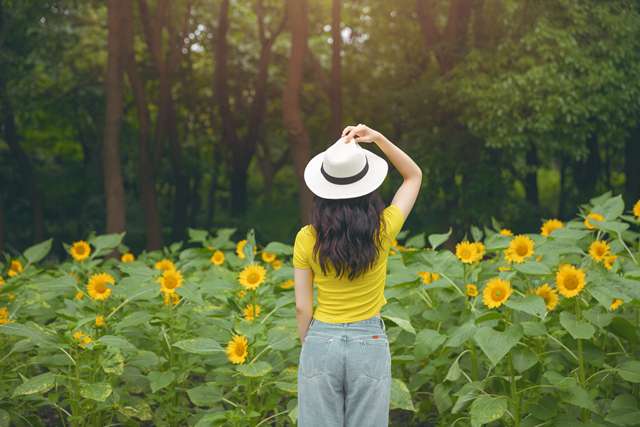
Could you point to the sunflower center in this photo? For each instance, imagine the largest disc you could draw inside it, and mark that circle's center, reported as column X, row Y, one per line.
column 466, row 253
column 497, row 294
column 100, row 287
column 80, row 250
column 522, row 250
column 170, row 282
column 253, row 278
column 571, row 282
column 239, row 350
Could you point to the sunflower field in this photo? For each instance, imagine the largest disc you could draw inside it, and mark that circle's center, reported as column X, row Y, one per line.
column 533, row 329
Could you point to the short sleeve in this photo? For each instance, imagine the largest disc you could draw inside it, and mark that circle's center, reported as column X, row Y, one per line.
column 394, row 219
column 301, row 249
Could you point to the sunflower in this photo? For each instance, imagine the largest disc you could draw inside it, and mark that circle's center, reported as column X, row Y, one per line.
column 217, row 258
column 1, row 281
column 237, row 349
column 288, row 284
column 467, row 252
column 520, row 248
column 251, row 311
column 15, row 268
column 472, row 290
column 569, row 280
column 79, row 295
column 241, row 293
column 636, row 209
column 170, row 298
column 609, row 260
column 599, row 250
column 83, row 338
column 170, row 280
column 428, row 277
column 164, row 265
column 594, row 216
column 506, row 232
column 496, row 292
column 127, row 257
column 97, row 286
column 80, row 250
column 276, row 264
column 549, row 295
column 240, row 248
column 617, row 302
column 549, row 226
column 100, row 322
column 268, row 256
column 252, row 276
column 4, row 316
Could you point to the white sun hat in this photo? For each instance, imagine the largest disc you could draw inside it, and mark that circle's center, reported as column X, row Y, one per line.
column 345, row 170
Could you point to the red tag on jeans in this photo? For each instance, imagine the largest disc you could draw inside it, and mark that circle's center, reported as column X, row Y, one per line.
column 375, row 337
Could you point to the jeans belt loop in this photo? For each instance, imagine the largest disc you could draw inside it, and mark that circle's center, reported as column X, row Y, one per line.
column 382, row 324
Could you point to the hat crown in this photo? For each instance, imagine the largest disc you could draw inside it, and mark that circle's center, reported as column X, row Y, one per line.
column 344, row 159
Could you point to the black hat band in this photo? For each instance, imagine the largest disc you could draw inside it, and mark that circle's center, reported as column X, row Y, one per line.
column 347, row 179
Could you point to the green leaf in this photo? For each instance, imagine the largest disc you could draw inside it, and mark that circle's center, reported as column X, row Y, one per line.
column 280, row 338
column 441, row 397
column 428, row 341
column 612, row 208
column 403, row 323
column 140, row 410
column 400, row 396
column 107, row 242
column 159, row 380
column 35, row 385
column 417, row 241
column 278, row 248
column 4, row 418
column 190, row 293
column 579, row 329
column 630, row 371
column 461, row 334
column 199, row 346
column 530, row 304
column 532, row 268
column 486, row 409
column 206, row 395
column 257, row 369
column 623, row 411
column 36, row 252
column 436, row 240
column 115, row 341
column 494, row 344
column 98, row 391
column 112, row 361
column 523, row 359
column 196, row 235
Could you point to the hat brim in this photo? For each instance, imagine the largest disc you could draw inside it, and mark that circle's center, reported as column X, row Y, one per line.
column 317, row 183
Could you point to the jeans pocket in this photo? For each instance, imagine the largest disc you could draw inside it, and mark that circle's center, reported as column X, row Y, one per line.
column 375, row 356
column 313, row 356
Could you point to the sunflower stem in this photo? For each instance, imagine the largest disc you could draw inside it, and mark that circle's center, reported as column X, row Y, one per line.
column 515, row 398
column 581, row 370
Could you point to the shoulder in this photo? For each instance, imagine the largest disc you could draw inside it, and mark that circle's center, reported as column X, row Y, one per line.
column 305, row 233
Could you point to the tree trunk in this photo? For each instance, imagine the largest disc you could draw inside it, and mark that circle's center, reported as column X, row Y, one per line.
column 146, row 176
column 587, row 173
column 631, row 169
column 291, row 110
column 113, row 186
column 335, row 90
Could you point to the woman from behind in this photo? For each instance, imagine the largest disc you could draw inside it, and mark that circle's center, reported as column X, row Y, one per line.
column 344, row 373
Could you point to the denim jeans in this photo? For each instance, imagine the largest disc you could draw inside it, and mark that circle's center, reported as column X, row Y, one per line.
column 344, row 375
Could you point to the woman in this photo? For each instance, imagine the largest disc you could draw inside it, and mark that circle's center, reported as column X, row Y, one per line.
column 344, row 374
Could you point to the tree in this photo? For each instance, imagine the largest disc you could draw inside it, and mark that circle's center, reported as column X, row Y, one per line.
column 291, row 110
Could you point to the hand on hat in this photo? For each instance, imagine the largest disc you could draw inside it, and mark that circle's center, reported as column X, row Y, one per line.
column 360, row 133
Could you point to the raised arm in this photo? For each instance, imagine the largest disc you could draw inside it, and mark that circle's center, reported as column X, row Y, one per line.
column 407, row 193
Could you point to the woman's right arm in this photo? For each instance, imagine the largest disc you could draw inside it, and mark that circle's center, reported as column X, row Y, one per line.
column 407, row 193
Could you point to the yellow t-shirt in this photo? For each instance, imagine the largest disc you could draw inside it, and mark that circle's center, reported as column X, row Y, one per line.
column 341, row 300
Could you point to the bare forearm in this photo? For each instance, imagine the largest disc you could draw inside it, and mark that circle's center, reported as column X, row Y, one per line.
column 400, row 160
column 304, row 318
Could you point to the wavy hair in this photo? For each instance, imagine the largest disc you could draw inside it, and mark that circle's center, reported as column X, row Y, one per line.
column 348, row 234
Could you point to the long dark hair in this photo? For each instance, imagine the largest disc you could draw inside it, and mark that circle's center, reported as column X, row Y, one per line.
column 348, row 233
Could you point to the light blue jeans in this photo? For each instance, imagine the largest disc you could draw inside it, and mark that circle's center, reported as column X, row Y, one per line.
column 344, row 375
